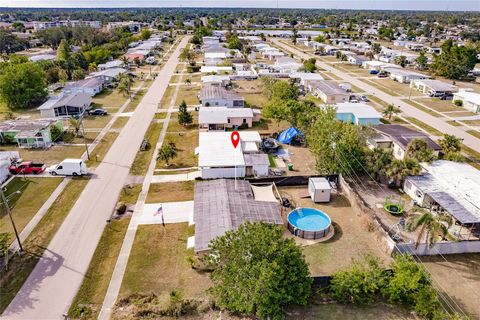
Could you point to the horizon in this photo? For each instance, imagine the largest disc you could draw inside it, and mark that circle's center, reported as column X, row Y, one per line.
column 377, row 5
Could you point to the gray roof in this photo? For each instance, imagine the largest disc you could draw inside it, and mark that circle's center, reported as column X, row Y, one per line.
column 217, row 92
column 85, row 83
column 218, row 207
column 256, row 159
column 26, row 128
column 438, row 85
column 75, row 99
column 327, row 87
column 403, row 135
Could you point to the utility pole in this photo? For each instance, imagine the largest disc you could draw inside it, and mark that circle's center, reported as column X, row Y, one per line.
column 84, row 137
column 7, row 207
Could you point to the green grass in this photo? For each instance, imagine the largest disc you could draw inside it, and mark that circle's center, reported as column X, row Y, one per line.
column 110, row 98
column 271, row 161
column 52, row 155
column 474, row 133
column 379, row 101
column 33, row 194
column 142, row 160
column 160, row 115
column 424, row 126
column 120, row 122
column 423, row 108
column 185, row 142
column 381, row 87
column 170, row 192
column 454, row 123
column 20, row 267
column 189, row 94
column 101, row 149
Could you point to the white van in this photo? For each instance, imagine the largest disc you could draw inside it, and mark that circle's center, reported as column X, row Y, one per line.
column 69, row 167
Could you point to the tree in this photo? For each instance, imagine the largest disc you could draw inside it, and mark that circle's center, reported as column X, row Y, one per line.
column 257, row 271
column 376, row 47
column 422, row 61
column 188, row 55
column 184, row 117
column 401, row 61
column 319, row 38
column 360, row 283
column 145, row 34
column 63, row 51
column 377, row 161
column 432, row 227
column 418, row 149
column 234, row 43
column 455, row 62
column 78, row 74
column 390, row 111
column 75, row 124
column 309, row 65
column 386, row 33
column 398, row 170
column 167, row 152
column 125, row 84
column 22, row 85
column 11, row 43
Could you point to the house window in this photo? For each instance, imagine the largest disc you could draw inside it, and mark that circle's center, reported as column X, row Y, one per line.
column 228, row 120
column 244, row 120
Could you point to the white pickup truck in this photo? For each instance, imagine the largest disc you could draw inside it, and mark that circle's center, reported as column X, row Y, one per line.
column 69, row 167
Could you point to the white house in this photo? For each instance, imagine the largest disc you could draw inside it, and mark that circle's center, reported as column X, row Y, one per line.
column 357, row 59
column 470, row 100
column 66, row 105
column 218, row 96
column 433, row 87
column 287, row 65
column 108, row 75
column 404, row 75
column 220, row 118
column 304, row 77
column 329, row 91
column 91, row 86
column 216, row 69
column 110, row 65
column 217, row 158
column 221, row 80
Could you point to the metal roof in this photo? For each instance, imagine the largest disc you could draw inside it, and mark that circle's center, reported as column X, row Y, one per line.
column 26, row 128
column 219, row 207
column 359, row 110
column 209, row 115
column 403, row 135
column 74, row 99
column 85, row 83
column 327, row 87
column 218, row 92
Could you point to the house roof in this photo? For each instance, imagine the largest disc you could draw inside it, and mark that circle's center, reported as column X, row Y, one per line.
column 111, row 64
column 112, row 72
column 402, row 135
column 215, row 78
column 216, row 150
column 74, row 99
column 256, row 159
column 85, row 83
column 220, row 207
column 210, row 115
column 405, row 72
column 437, row 85
column 26, row 128
column 360, row 110
column 468, row 96
column 209, row 92
column 453, row 185
column 327, row 87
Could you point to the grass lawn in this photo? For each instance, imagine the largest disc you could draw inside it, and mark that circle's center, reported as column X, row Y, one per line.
column 142, row 159
column 52, row 155
column 136, row 100
column 257, row 100
column 160, row 115
column 440, row 105
column 189, row 94
column 378, row 101
column 473, row 156
column 170, row 192
column 110, row 98
column 472, row 122
column 402, row 89
column 424, row 126
column 33, row 194
column 454, row 123
column 21, row 266
column 381, row 87
column 101, row 149
column 120, row 122
column 167, row 97
column 421, row 107
column 96, row 280
column 174, row 126
column 193, row 78
column 158, row 263
column 96, row 121
column 185, row 142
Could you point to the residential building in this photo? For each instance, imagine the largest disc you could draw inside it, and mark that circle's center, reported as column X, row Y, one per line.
column 328, row 91
column 66, row 105
column 357, row 113
column 29, row 133
column 405, row 75
column 223, row 205
column 397, row 138
column 448, row 187
column 357, row 59
column 110, row 65
column 220, row 118
column 108, row 75
column 40, row 25
column 91, row 86
column 470, row 100
column 220, row 80
column 217, row 158
column 218, row 96
column 304, row 78
column 433, row 88
column 287, row 65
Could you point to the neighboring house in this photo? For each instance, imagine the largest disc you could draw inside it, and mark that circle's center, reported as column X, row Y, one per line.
column 433, row 87
column 405, row 75
column 328, row 91
column 216, row 69
column 220, row 118
column 376, row 65
column 43, row 57
column 108, row 75
column 304, row 77
column 357, row 113
column 29, row 133
column 110, row 65
column 66, row 105
column 91, row 86
column 357, row 59
column 223, row 205
column 449, row 187
column 217, row 158
column 220, row 80
column 470, row 100
column 287, row 65
column 137, row 54
column 396, row 138
column 217, row 96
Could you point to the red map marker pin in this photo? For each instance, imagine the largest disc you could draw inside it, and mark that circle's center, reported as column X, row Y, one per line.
column 235, row 137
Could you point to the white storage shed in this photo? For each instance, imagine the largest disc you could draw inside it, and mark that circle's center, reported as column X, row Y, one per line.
column 319, row 189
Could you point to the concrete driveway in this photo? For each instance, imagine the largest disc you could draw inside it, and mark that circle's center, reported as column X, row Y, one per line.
column 172, row 212
column 52, row 285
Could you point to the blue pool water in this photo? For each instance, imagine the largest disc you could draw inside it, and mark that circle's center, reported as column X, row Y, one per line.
column 309, row 219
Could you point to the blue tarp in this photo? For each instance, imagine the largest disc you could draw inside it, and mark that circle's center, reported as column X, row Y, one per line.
column 288, row 135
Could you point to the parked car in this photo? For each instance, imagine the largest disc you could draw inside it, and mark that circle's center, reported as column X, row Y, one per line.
column 98, row 112
column 27, row 167
column 353, row 99
column 447, row 97
column 364, row 99
column 382, row 74
column 69, row 167
column 373, row 72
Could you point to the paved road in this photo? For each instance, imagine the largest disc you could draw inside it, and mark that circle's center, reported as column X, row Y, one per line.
column 53, row 283
column 407, row 109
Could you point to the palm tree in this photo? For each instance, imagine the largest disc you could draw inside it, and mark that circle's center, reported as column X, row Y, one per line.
column 377, row 161
column 167, row 152
column 75, row 124
column 419, row 149
column 125, row 84
column 431, row 226
column 390, row 111
column 398, row 170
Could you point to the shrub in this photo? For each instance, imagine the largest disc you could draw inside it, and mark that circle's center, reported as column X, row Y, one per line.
column 458, row 103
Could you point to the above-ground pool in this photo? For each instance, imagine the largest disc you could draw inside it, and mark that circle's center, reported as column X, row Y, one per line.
column 309, row 223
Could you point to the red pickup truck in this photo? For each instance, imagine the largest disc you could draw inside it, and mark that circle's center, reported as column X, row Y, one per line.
column 27, row 167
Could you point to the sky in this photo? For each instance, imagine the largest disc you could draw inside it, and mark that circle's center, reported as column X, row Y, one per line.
column 441, row 5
